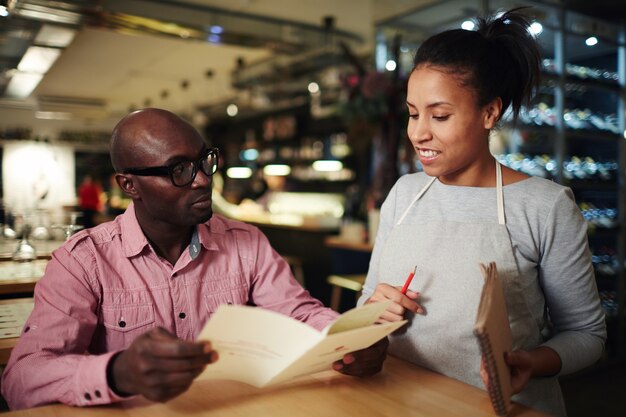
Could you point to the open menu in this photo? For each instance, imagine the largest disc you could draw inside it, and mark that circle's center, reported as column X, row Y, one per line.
column 261, row 347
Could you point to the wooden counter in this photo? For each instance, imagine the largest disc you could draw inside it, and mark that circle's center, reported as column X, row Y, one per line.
column 20, row 277
column 336, row 242
column 8, row 343
column 401, row 389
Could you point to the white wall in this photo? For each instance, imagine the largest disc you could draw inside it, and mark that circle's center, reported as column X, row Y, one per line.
column 37, row 176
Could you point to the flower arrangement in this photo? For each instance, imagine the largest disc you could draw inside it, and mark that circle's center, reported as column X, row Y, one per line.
column 367, row 97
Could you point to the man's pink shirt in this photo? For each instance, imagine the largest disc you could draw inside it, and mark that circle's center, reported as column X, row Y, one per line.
column 106, row 286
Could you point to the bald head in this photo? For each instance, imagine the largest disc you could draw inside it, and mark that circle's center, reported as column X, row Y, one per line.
column 143, row 130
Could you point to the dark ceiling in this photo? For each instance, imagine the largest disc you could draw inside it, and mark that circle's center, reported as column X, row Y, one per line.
column 613, row 10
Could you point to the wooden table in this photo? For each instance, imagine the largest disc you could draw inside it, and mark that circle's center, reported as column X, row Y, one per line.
column 7, row 344
column 20, row 277
column 402, row 389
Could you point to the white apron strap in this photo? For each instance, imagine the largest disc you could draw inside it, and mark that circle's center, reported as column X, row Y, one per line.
column 500, row 193
column 417, row 197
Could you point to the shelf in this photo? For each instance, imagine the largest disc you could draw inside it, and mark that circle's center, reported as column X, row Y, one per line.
column 592, row 135
column 599, row 232
column 591, row 184
column 611, row 86
column 595, row 105
column 547, row 130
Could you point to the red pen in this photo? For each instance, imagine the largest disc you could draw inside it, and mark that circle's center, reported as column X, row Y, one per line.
column 408, row 280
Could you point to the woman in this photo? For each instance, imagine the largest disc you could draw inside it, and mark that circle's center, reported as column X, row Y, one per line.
column 466, row 209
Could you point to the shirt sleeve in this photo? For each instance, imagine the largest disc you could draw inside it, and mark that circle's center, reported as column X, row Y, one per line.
column 51, row 362
column 567, row 279
column 275, row 288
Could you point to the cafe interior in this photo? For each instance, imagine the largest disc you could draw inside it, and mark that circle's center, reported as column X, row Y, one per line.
column 305, row 101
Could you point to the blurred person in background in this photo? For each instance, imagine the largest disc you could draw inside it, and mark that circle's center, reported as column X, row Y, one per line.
column 89, row 193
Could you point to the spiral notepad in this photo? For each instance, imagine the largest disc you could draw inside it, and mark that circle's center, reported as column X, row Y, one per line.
column 493, row 333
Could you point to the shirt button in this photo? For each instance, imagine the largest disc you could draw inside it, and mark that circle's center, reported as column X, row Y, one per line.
column 122, row 323
column 182, row 315
column 88, row 396
column 98, row 395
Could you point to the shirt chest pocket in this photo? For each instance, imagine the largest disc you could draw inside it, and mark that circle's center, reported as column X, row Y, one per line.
column 127, row 317
column 237, row 295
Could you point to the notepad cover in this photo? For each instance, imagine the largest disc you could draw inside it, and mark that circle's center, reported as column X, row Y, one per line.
column 493, row 333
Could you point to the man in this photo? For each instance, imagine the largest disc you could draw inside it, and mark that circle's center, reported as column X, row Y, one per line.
column 135, row 292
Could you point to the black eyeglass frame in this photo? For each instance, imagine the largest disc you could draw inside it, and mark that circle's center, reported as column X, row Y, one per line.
column 168, row 170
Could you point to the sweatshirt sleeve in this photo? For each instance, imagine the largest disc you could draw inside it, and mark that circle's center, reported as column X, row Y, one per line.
column 50, row 362
column 567, row 279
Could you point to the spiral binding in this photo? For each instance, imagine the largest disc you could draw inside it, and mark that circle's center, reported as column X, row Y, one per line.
column 498, row 402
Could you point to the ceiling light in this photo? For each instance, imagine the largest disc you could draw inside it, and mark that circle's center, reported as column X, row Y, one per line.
column 53, row 115
column 216, row 29
column 277, row 169
column 535, row 28
column 239, row 172
column 4, row 12
column 232, row 110
column 46, row 13
column 591, row 41
column 249, row 154
column 327, row 165
column 390, row 65
column 468, row 25
column 38, row 59
column 53, row 35
column 22, row 84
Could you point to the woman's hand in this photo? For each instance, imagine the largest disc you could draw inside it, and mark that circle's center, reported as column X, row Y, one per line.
column 523, row 365
column 399, row 302
column 520, row 366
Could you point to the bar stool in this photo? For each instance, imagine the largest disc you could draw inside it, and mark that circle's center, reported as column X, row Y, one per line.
column 353, row 282
column 295, row 264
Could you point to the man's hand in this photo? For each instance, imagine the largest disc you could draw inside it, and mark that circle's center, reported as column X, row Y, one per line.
column 400, row 302
column 364, row 362
column 159, row 366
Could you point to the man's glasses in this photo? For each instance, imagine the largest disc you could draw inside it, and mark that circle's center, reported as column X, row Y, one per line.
column 181, row 173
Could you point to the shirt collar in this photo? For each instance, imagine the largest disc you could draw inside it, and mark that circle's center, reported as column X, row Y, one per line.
column 134, row 241
column 208, row 233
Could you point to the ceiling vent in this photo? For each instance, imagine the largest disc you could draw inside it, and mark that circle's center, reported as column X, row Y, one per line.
column 65, row 108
